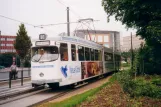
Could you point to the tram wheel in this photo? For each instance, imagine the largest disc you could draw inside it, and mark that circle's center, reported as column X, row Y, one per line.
column 35, row 85
column 71, row 86
column 53, row 85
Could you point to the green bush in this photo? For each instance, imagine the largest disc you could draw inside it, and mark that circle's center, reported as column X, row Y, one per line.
column 125, row 64
column 125, row 80
column 148, row 60
column 156, row 81
column 138, row 87
column 27, row 63
column 145, row 88
column 6, row 59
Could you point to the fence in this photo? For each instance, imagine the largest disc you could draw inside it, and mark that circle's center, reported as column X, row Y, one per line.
column 4, row 74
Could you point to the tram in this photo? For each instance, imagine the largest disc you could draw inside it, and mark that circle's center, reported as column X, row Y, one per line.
column 65, row 60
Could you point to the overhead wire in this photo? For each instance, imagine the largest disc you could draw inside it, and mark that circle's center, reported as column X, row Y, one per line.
column 72, row 10
column 12, row 19
column 64, row 4
column 75, row 13
column 80, row 18
column 88, row 27
column 95, row 31
column 16, row 20
column 76, row 29
column 55, row 24
column 42, row 26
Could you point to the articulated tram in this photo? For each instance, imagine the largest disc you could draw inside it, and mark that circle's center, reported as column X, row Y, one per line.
column 67, row 60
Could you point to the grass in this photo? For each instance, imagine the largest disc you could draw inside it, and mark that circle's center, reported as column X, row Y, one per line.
column 75, row 100
column 125, row 66
column 141, row 89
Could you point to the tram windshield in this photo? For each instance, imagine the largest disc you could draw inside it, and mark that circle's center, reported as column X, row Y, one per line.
column 44, row 54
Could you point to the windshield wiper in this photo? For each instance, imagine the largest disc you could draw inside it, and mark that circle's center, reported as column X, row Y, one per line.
column 39, row 58
column 36, row 59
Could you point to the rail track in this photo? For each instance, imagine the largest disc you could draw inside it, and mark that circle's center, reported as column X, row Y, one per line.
column 38, row 96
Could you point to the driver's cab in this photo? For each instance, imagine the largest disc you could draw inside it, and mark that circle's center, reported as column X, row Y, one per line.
column 44, row 54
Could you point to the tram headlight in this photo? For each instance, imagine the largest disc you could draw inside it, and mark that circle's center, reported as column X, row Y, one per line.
column 41, row 74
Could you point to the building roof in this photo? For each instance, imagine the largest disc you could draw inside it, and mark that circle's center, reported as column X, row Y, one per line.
column 97, row 31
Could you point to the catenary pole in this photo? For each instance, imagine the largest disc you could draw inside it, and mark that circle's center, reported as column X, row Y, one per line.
column 68, row 23
column 113, row 41
column 132, row 59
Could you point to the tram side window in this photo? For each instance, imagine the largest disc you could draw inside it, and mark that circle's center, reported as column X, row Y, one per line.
column 73, row 52
column 81, row 53
column 100, row 55
column 108, row 56
column 96, row 55
column 92, row 54
column 105, row 56
column 117, row 58
column 64, row 52
column 87, row 54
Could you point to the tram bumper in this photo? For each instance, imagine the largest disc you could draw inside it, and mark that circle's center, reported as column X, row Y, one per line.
column 39, row 82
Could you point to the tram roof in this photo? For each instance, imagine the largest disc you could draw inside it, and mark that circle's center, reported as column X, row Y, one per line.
column 72, row 39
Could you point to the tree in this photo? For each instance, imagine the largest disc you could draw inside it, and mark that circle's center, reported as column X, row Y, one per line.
column 126, row 55
column 146, row 62
column 22, row 45
column 145, row 17
column 6, row 59
column 23, row 42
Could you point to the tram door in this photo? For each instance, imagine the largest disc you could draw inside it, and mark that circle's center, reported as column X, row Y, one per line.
column 69, row 65
column 64, row 52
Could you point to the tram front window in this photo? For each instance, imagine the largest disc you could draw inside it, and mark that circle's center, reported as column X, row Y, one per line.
column 44, row 54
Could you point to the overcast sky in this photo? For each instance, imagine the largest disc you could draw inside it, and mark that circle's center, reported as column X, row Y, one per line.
column 40, row 12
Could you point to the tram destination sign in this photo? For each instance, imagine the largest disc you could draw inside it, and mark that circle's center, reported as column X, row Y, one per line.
column 42, row 36
column 42, row 43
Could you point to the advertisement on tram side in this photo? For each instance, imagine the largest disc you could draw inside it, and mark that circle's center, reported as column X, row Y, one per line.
column 90, row 69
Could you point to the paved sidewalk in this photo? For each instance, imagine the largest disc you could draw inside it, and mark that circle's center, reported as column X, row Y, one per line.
column 15, row 87
column 17, row 81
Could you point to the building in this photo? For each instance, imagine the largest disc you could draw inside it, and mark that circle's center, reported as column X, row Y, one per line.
column 110, row 39
column 136, row 41
column 6, row 43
